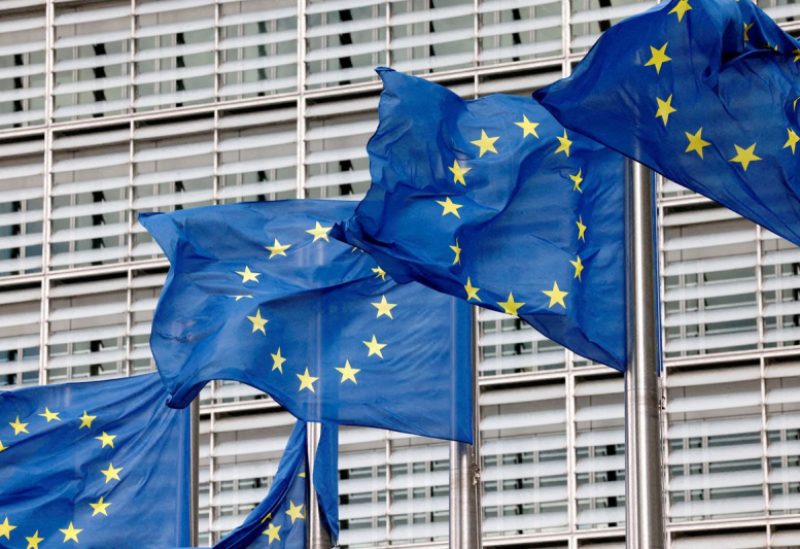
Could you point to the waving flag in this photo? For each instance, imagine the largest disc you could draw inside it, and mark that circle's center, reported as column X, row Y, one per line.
column 706, row 93
column 88, row 464
column 259, row 293
column 279, row 521
column 494, row 202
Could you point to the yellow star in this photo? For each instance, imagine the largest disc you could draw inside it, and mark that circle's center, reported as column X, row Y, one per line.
column 485, row 143
column 272, row 532
column 565, row 144
column 796, row 53
column 374, row 347
column 258, row 322
column 658, row 57
column 384, row 307
column 456, row 250
column 792, row 140
column 578, row 267
column 745, row 156
column 747, row 28
column 100, row 507
column 459, row 172
column 3, row 448
column 581, row 229
column 379, row 273
column 306, row 381
column 5, row 529
column 277, row 361
column 242, row 296
column 295, row 511
column 510, row 307
column 665, row 108
column 449, row 207
column 528, row 127
column 111, row 473
column 70, row 533
column 794, row 103
column 556, row 296
column 302, row 475
column 577, row 179
column 106, row 439
column 50, row 416
column 348, row 373
column 18, row 426
column 34, row 540
column 472, row 291
column 319, row 232
column 86, row 420
column 277, row 249
column 696, row 142
column 266, row 517
column 680, row 9
column 248, row 275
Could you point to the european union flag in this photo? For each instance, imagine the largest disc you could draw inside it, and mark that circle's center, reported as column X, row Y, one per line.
column 91, row 464
column 494, row 202
column 261, row 294
column 704, row 92
column 279, row 521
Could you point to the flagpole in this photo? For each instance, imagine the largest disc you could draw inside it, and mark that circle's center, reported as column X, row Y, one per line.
column 318, row 536
column 465, row 507
column 194, row 470
column 643, row 494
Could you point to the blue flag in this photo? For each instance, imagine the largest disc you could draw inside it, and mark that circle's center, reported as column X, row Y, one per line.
column 259, row 293
column 494, row 202
column 279, row 521
column 705, row 93
column 95, row 464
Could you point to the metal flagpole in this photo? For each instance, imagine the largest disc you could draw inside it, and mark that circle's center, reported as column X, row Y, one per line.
column 643, row 496
column 318, row 536
column 194, row 470
column 465, row 508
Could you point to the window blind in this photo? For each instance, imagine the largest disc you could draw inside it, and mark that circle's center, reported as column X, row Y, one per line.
column 600, row 451
column 22, row 67
column 21, row 201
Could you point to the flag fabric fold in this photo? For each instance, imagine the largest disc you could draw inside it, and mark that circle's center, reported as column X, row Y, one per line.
column 280, row 520
column 704, row 92
column 85, row 463
column 494, row 202
column 260, row 293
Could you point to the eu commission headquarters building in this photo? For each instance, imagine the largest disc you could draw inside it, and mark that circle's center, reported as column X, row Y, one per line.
column 110, row 108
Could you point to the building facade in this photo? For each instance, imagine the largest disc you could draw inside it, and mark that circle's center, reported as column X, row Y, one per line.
column 114, row 107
